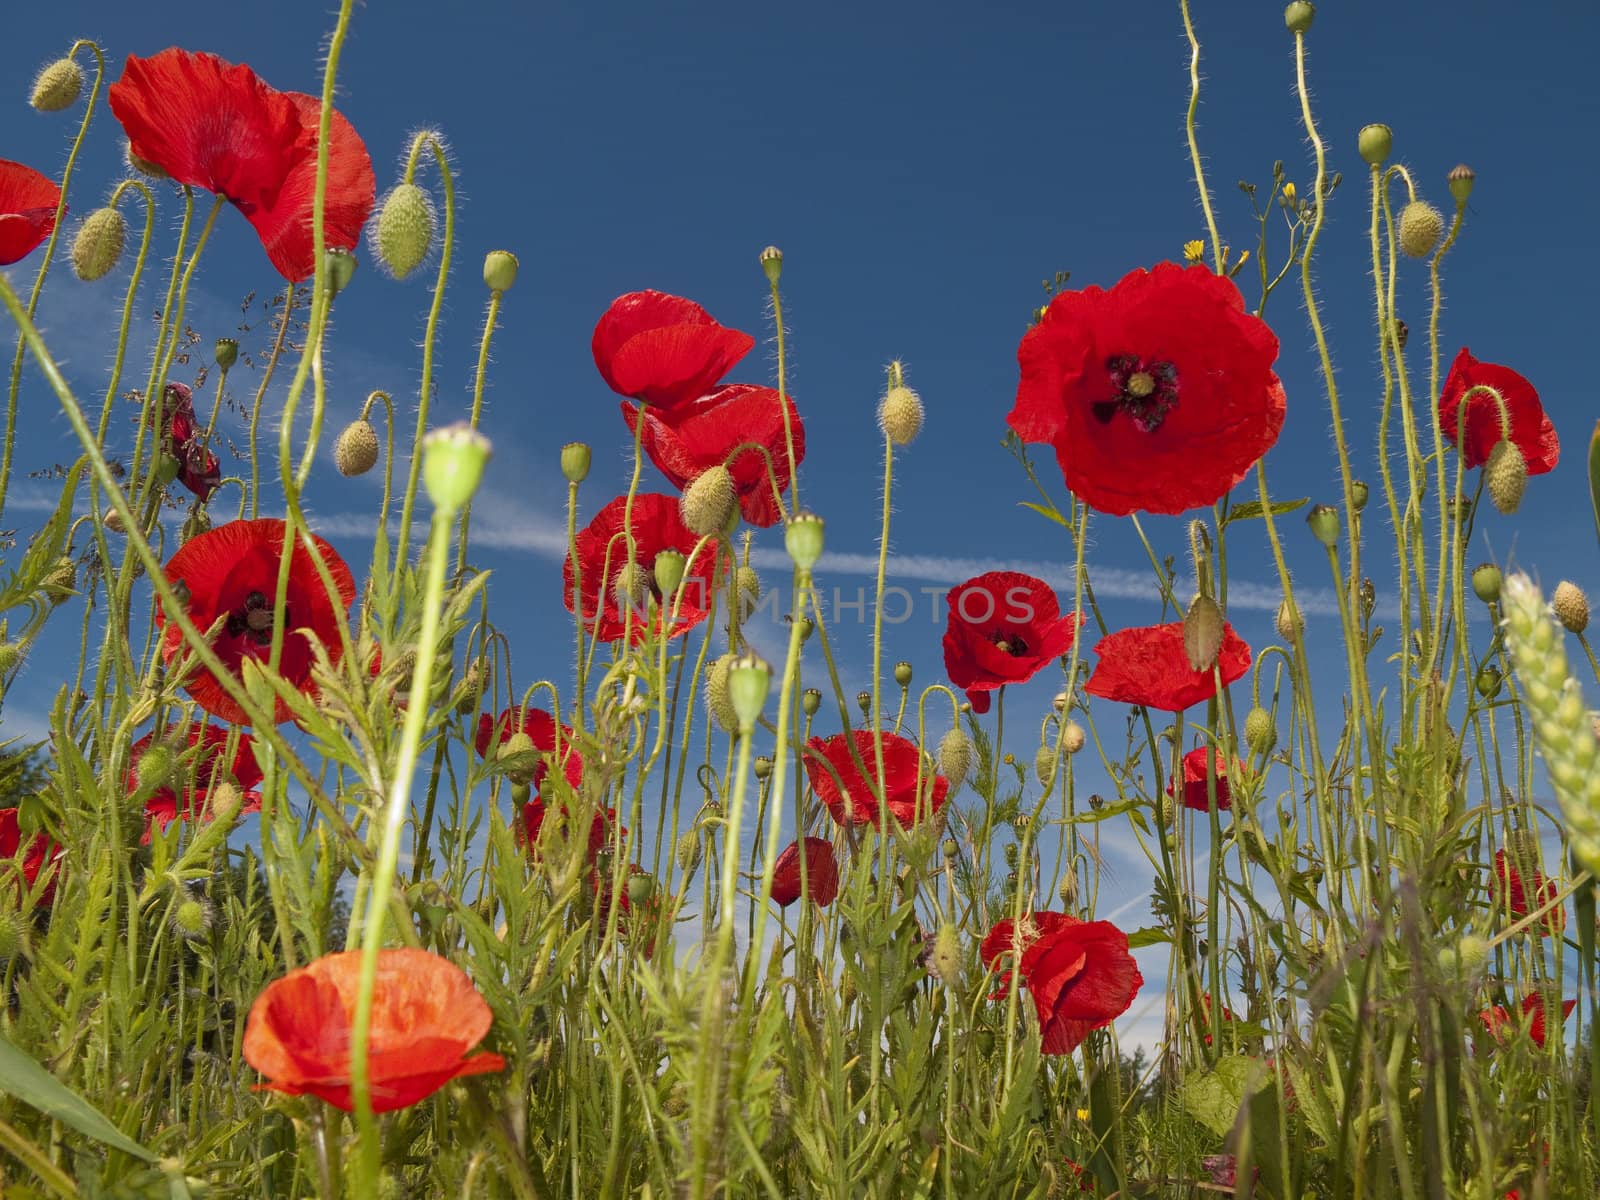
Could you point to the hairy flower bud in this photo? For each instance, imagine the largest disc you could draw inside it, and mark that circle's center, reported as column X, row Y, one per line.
column 143, row 166
column 575, row 458
column 355, row 450
column 631, row 586
column 191, row 918
column 709, row 505
column 1044, row 765
column 955, row 756
column 57, row 86
column 1421, row 226
column 718, row 702
column 1260, row 734
column 1289, row 620
column 1472, row 952
column 499, row 270
column 687, row 851
column 402, row 236
column 1374, row 143
column 1505, row 476
column 98, row 246
column 1202, row 633
column 945, row 961
column 1571, row 606
column 1486, row 582
column 900, row 415
column 1072, row 737
column 62, row 581
column 154, row 768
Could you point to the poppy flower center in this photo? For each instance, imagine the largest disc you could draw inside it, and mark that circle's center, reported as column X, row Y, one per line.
column 1144, row 390
column 253, row 619
column 1013, row 644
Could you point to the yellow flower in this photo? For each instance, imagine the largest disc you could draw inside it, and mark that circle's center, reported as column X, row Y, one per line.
column 1194, row 251
column 1288, row 194
column 1083, row 1114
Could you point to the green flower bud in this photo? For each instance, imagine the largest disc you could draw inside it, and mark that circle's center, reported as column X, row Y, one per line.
column 518, row 746
column 1374, row 143
column 640, row 889
column 191, row 919
column 900, row 415
column 1359, row 492
column 167, row 468
column 355, row 450
column 709, row 504
column 1460, row 179
column 748, row 682
column 1472, row 952
column 802, row 538
column 1505, row 476
column 1044, row 765
column 1324, row 523
column 687, row 851
column 11, row 654
column 762, row 767
column 196, row 523
column 631, row 587
column 1297, row 17
column 719, row 702
column 226, row 353
column 772, row 263
column 1260, row 734
column 98, row 246
column 453, row 459
column 402, row 236
column 154, row 768
column 1486, row 581
column 1068, row 888
column 62, row 581
column 945, row 961
column 955, row 756
column 499, row 270
column 57, row 86
column 1421, row 227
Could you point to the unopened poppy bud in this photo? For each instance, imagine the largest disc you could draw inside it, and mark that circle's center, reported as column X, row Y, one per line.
column 1059, row 703
column 949, row 848
column 226, row 353
column 807, row 628
column 1260, row 734
column 1421, row 226
column 167, row 468
column 1374, row 143
column 687, row 851
column 1072, row 737
column 57, row 86
column 472, row 681
column 1571, row 606
column 1202, row 633
column 762, row 767
column 62, row 580
column 1486, row 580
column 718, row 701
column 640, row 889
column 1289, row 621
column 955, row 757
column 747, row 586
column 709, row 503
column 1297, row 17
column 1488, row 681
column 945, row 961
column 1472, row 952
column 1324, row 523
column 668, row 572
column 223, row 801
column 518, row 744
column 631, row 587
column 864, row 703
column 191, row 919
column 196, row 523
column 154, row 767
column 453, row 459
column 772, row 263
column 402, row 236
column 1461, row 178
column 1044, row 765
column 1505, row 476
column 355, row 450
column 902, row 674
column 11, row 653
column 341, row 269
column 810, row 701
column 143, row 166
column 499, row 270
column 1068, row 888
column 900, row 415
column 748, row 681
column 98, row 246
column 1358, row 494
column 802, row 538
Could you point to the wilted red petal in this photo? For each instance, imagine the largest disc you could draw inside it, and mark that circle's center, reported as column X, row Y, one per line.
column 856, row 803
column 1531, row 429
column 662, row 349
column 822, row 873
column 1003, row 627
column 27, row 210
column 1147, row 665
column 603, row 551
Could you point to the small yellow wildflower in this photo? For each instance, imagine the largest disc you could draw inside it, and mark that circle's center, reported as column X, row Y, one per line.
column 1288, row 194
column 1083, row 1114
column 1194, row 251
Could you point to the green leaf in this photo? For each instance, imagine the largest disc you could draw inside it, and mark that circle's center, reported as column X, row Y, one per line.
column 1251, row 509
column 22, row 1077
column 1149, row 936
column 1594, row 474
column 1051, row 513
column 1213, row 1097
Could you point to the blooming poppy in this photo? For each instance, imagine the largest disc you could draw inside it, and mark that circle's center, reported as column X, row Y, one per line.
column 1147, row 665
column 1531, row 429
column 1509, row 888
column 686, row 440
column 213, row 125
column 852, row 799
column 426, row 1015
column 36, row 852
column 1004, row 627
column 1227, row 1014
column 664, row 350
column 211, row 767
column 540, row 727
column 1195, row 792
column 1496, row 1019
column 609, row 584
column 600, row 827
column 28, row 203
column 822, row 873
column 1158, row 395
column 230, row 574
column 1079, row 973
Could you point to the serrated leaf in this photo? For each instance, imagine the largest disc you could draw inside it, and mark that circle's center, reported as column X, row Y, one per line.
column 22, row 1077
column 1252, row 509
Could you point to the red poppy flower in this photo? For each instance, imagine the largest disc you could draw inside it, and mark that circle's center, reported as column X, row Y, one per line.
column 1079, row 973
column 209, row 768
column 27, row 210
column 1147, row 665
column 1227, row 1014
column 1003, row 628
column 1531, row 429
column 664, row 350
column 36, row 852
column 1496, row 1019
column 822, row 873
column 1509, row 887
column 1195, row 793
column 600, row 828
column 856, row 802
column 216, row 126
column 231, row 573
column 426, row 1015
column 1157, row 395
column 603, row 557
column 540, row 727
column 702, row 433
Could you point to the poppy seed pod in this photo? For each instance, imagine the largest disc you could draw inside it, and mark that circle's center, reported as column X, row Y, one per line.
column 1297, row 17
column 226, row 353
column 949, row 848
column 1486, row 580
column 687, row 851
column 1358, row 494
column 710, row 504
column 499, row 270
column 1072, row 737
column 575, row 458
column 1488, row 681
column 402, row 236
column 668, row 572
column 718, row 702
column 355, row 450
column 640, row 889
column 1260, row 734
column 98, row 246
column 955, row 756
column 762, row 767
column 900, row 415
column 810, row 701
column 802, row 538
column 1505, row 476
column 1421, row 226
column 1374, row 143
column 453, row 460
column 772, row 263
column 1289, row 621
column 1461, row 178
column 1202, row 633
column 902, row 674
column 57, row 86
column 748, row 681
column 864, row 703
column 807, row 628
column 1571, row 606
column 1324, row 523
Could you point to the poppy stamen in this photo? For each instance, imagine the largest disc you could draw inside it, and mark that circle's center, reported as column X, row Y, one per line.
column 1145, row 390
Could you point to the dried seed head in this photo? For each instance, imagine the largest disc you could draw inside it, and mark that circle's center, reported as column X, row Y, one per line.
column 355, row 450
column 1461, row 178
column 1571, row 606
column 710, row 504
column 1505, row 476
column 57, row 86
column 1202, row 633
column 1421, row 226
column 900, row 415
column 402, row 236
column 1289, row 620
column 772, row 263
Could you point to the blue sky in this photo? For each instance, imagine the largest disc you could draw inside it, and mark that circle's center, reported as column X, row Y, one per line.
column 923, row 167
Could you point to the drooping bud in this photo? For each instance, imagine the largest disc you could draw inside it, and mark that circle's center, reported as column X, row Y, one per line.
column 1486, row 580
column 1072, row 737
column 1044, row 765
column 575, row 457
column 710, row 503
column 1374, row 143
column 1421, row 226
column 518, row 745
column 402, row 236
column 499, row 270
column 955, row 756
column 1324, row 523
column 57, row 86
column 98, row 246
column 718, row 702
column 1289, row 621
column 747, row 587
column 748, row 682
column 1260, row 734
column 144, row 166
column 1571, row 606
column 668, row 571
column 226, row 353
column 902, row 674
column 810, row 701
column 453, row 459
column 802, row 538
column 62, row 581
column 1461, row 178
column 772, row 263
column 945, row 961
column 687, row 851
column 1068, row 888
column 472, row 681
column 1202, row 633
column 1297, row 17
column 355, row 450
column 1505, row 476
column 11, row 653
column 900, row 415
